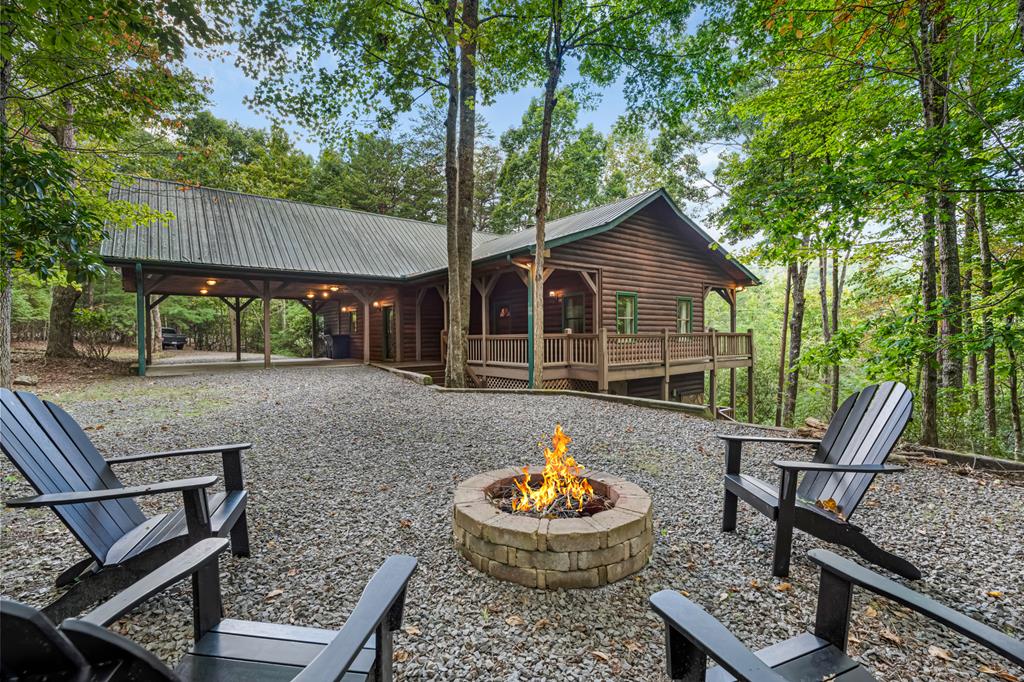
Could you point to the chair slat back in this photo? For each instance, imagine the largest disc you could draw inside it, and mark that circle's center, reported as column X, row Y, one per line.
column 863, row 434
column 53, row 453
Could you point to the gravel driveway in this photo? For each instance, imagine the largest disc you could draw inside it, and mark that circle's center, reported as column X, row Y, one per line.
column 352, row 464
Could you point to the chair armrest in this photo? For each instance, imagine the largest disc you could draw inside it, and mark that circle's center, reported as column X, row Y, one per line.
column 234, row 447
column 384, row 592
column 183, row 565
column 843, row 569
column 57, row 499
column 709, row 637
column 768, row 439
column 824, row 466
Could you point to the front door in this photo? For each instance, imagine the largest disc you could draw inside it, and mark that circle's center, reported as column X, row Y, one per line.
column 388, row 315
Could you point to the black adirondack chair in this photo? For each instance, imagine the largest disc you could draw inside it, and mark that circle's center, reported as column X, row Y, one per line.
column 692, row 635
column 56, row 457
column 853, row 450
column 225, row 650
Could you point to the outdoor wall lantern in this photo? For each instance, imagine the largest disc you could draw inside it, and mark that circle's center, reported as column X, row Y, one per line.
column 326, row 294
column 376, row 304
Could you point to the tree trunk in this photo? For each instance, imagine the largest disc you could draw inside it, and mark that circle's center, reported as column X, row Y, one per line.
column 553, row 61
column 60, row 342
column 796, row 324
column 933, row 80
column 838, row 283
column 6, row 298
column 780, row 394
column 455, row 367
column 6, row 281
column 156, row 329
column 969, row 256
column 929, row 369
column 826, row 323
column 466, row 149
column 987, row 330
column 1011, row 352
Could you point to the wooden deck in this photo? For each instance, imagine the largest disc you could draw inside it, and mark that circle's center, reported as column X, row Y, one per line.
column 604, row 357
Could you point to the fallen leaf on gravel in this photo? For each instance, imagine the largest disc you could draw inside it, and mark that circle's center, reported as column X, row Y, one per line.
column 405, row 523
column 542, row 623
column 293, row 571
column 1001, row 674
column 756, row 585
column 890, row 636
column 939, row 652
column 600, row 655
column 515, row 620
column 401, row 655
column 783, row 587
column 631, row 645
column 870, row 612
column 995, row 594
column 273, row 593
column 411, row 630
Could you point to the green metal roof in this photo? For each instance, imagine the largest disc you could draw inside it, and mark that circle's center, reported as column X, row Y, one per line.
column 219, row 228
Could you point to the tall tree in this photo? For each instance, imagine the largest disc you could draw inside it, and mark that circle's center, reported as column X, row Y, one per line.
column 78, row 75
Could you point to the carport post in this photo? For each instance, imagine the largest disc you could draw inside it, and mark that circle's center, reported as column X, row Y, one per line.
column 266, row 324
column 140, row 318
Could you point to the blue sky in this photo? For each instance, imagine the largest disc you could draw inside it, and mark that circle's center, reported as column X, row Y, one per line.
column 230, row 87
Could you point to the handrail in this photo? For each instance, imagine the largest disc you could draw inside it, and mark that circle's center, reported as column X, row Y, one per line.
column 622, row 350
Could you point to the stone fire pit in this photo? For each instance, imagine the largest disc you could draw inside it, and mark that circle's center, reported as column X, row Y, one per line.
column 589, row 551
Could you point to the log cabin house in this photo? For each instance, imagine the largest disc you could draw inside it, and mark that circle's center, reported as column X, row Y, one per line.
column 625, row 287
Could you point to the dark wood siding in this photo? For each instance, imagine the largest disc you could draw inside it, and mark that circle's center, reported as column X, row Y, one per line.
column 647, row 254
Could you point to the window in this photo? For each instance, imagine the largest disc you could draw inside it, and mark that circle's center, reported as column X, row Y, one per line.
column 625, row 312
column 353, row 319
column 574, row 313
column 501, row 319
column 684, row 315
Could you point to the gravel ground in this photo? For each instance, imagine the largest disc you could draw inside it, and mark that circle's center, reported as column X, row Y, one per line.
column 350, row 465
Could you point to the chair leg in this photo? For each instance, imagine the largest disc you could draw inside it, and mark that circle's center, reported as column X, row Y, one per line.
column 863, row 546
column 729, row 513
column 783, row 548
column 72, row 573
column 240, row 537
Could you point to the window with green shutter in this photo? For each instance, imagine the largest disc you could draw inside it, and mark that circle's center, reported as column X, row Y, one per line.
column 626, row 315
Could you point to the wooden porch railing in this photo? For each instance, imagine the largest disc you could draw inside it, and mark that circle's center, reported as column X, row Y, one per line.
column 621, row 350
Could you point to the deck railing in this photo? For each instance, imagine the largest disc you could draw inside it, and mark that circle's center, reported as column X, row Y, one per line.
column 620, row 350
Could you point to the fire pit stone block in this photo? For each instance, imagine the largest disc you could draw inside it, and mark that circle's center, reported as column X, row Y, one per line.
column 554, row 553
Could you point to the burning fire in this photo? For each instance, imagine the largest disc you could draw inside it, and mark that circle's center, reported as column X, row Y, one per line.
column 562, row 483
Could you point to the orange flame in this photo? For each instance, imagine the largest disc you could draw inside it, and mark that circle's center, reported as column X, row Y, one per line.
column 561, row 480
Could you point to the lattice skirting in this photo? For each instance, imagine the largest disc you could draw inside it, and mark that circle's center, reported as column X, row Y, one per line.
column 553, row 384
column 502, row 382
column 570, row 384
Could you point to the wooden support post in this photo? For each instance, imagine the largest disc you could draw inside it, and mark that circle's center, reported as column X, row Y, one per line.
column 140, row 318
column 366, row 332
column 238, row 329
column 149, row 331
column 666, row 380
column 312, row 327
column 602, row 360
column 732, row 370
column 713, row 378
column 397, row 321
column 266, row 324
column 750, row 380
column 419, row 333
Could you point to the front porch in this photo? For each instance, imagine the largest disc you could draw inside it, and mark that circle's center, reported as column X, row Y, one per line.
column 604, row 361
